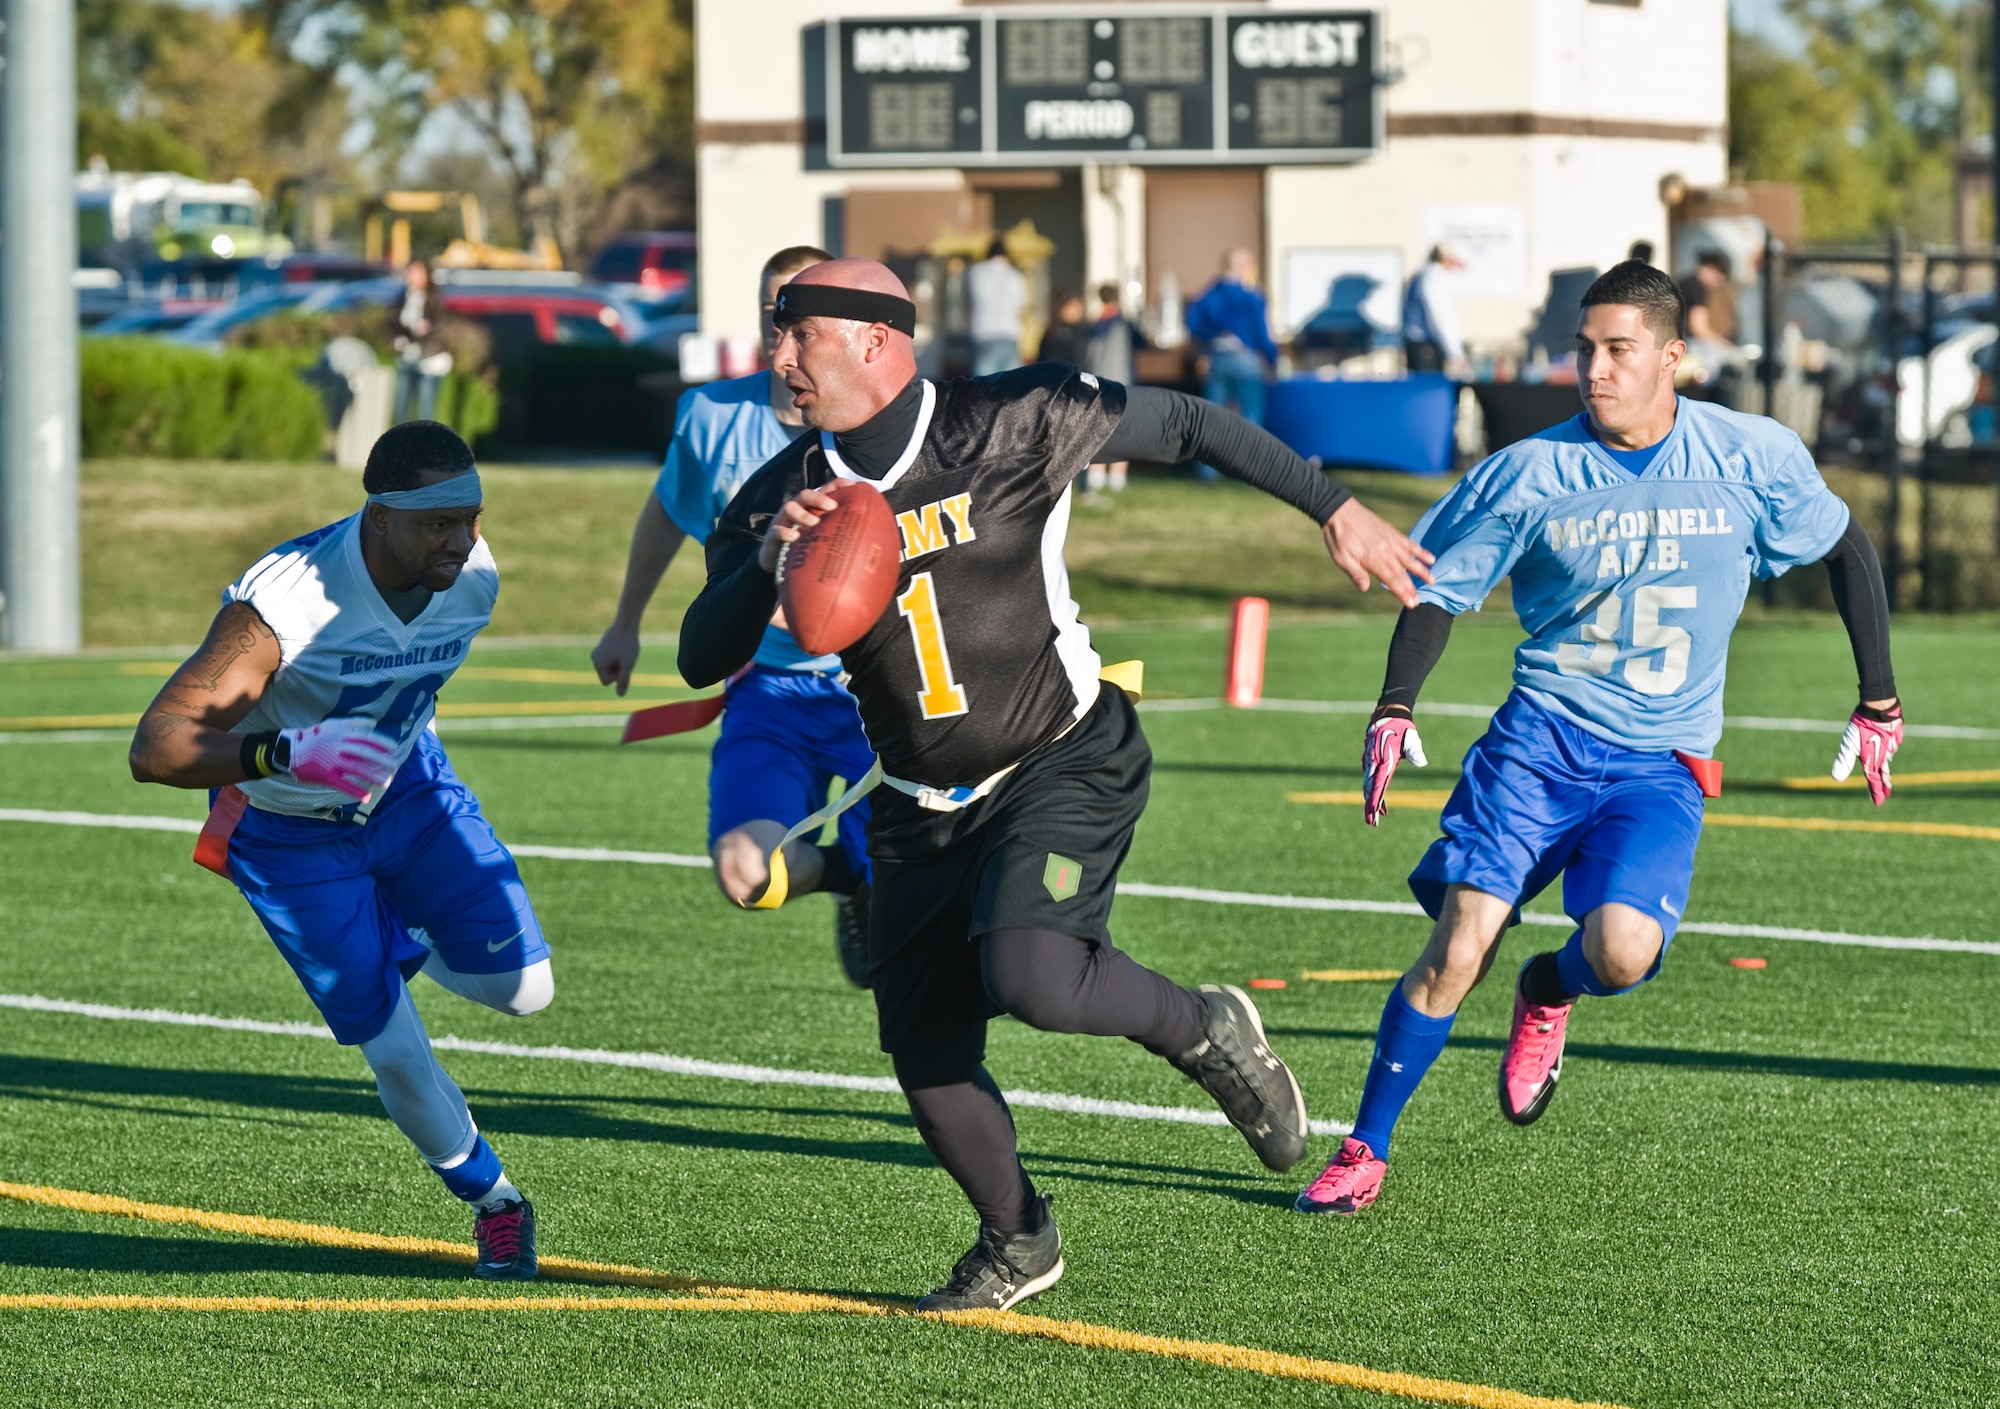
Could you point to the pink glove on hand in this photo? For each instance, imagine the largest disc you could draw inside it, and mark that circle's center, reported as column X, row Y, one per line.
column 346, row 755
column 1874, row 742
column 1391, row 739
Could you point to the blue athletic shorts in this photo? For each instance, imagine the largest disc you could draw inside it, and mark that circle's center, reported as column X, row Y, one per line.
column 786, row 735
column 1541, row 796
column 340, row 900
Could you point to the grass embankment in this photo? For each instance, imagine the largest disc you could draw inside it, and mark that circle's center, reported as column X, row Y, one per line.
column 162, row 537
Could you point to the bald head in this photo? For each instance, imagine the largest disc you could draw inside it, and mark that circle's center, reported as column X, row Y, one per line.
column 841, row 371
column 852, row 273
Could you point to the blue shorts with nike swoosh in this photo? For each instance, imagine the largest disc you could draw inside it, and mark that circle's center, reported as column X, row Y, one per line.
column 340, row 900
column 1541, row 796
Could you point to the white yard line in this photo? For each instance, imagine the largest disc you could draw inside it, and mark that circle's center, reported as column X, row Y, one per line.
column 644, row 1061
column 1134, row 888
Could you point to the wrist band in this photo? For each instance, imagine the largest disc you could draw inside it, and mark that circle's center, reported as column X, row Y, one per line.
column 796, row 301
column 260, row 755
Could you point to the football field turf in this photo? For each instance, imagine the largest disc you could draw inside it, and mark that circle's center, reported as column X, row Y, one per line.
column 1771, row 1186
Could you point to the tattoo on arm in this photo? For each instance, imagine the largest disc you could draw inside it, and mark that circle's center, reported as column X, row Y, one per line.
column 237, row 631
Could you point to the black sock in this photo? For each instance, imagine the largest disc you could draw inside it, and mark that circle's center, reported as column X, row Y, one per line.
column 1541, row 982
column 968, row 1129
column 837, row 875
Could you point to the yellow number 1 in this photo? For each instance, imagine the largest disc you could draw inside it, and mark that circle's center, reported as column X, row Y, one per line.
column 941, row 696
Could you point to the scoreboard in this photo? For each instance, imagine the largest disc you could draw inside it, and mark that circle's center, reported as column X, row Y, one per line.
column 1202, row 85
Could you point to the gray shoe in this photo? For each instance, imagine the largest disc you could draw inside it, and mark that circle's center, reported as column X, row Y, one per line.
column 850, row 935
column 1003, row 1269
column 1234, row 1064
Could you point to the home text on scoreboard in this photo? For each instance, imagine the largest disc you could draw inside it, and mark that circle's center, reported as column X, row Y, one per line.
column 1191, row 84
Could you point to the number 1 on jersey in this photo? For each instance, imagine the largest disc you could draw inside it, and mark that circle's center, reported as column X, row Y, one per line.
column 941, row 696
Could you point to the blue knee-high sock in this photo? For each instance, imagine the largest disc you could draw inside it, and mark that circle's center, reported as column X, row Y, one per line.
column 1578, row 978
column 1405, row 1046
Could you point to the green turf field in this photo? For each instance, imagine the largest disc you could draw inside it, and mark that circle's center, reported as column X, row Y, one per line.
column 1772, row 1187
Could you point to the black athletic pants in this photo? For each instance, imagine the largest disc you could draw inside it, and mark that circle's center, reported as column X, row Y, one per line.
column 1002, row 908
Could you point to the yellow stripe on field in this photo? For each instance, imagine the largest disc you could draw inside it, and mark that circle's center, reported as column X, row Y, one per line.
column 1962, row 830
column 458, row 710
column 1837, row 824
column 610, row 704
column 704, row 1298
column 1351, row 975
column 1414, row 797
column 1823, row 783
column 528, row 675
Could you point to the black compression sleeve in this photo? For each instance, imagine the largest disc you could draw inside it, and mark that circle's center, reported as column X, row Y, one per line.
column 1421, row 633
column 1169, row 427
column 726, row 622
column 1862, row 598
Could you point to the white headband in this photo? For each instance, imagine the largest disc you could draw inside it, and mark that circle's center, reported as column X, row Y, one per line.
column 458, row 492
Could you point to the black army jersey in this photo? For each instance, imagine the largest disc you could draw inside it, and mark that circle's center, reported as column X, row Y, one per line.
column 981, row 659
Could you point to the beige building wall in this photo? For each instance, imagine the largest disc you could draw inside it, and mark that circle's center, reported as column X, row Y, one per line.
column 1557, row 117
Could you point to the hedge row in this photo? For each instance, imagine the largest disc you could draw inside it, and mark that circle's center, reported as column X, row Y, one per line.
column 142, row 396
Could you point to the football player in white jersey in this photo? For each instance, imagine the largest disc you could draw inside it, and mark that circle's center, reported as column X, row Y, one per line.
column 307, row 714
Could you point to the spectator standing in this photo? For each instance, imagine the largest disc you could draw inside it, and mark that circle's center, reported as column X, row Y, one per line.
column 1233, row 326
column 1642, row 250
column 999, row 296
column 1068, row 336
column 1710, row 299
column 421, row 363
column 1108, row 356
column 1432, row 340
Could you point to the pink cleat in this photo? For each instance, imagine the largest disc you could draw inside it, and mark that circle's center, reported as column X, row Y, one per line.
column 1533, row 1061
column 1348, row 1185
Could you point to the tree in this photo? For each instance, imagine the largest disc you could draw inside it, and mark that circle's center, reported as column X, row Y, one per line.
column 162, row 87
column 1865, row 120
column 574, row 100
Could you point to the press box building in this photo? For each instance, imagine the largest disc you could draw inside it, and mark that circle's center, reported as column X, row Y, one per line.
column 1141, row 138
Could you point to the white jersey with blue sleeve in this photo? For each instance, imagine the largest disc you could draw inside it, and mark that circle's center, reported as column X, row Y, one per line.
column 345, row 654
column 1629, row 585
column 724, row 432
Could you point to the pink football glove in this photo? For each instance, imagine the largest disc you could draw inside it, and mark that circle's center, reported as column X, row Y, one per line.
column 1391, row 739
column 1874, row 742
column 346, row 755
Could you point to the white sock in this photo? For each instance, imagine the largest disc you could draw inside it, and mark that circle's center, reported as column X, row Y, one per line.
column 500, row 1193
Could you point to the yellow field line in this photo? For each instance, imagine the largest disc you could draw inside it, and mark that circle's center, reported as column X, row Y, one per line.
column 706, row 1298
column 1822, row 783
column 609, row 704
column 68, row 721
column 1835, row 824
column 1351, row 975
column 1416, row 798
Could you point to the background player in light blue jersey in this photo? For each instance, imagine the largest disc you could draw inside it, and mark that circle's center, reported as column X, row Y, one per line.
column 789, row 727
column 1631, row 534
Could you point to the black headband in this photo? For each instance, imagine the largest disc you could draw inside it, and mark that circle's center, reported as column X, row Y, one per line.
column 796, row 301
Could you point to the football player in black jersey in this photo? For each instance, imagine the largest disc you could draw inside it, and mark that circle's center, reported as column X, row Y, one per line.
column 1011, row 780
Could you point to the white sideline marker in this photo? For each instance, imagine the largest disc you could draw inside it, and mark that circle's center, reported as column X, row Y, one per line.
column 1135, row 888
column 644, row 1061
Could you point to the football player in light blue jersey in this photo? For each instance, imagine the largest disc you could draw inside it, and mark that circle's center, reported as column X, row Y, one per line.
column 789, row 726
column 1631, row 534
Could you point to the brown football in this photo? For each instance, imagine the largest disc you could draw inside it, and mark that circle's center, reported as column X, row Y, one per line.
column 836, row 580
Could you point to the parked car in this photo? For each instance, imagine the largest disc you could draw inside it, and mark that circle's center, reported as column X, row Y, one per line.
column 212, row 327
column 656, row 267
column 518, row 313
column 152, row 318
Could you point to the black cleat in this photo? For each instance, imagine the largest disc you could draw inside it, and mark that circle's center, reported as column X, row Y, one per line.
column 850, row 935
column 506, row 1238
column 1256, row 1091
column 1003, row 1269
